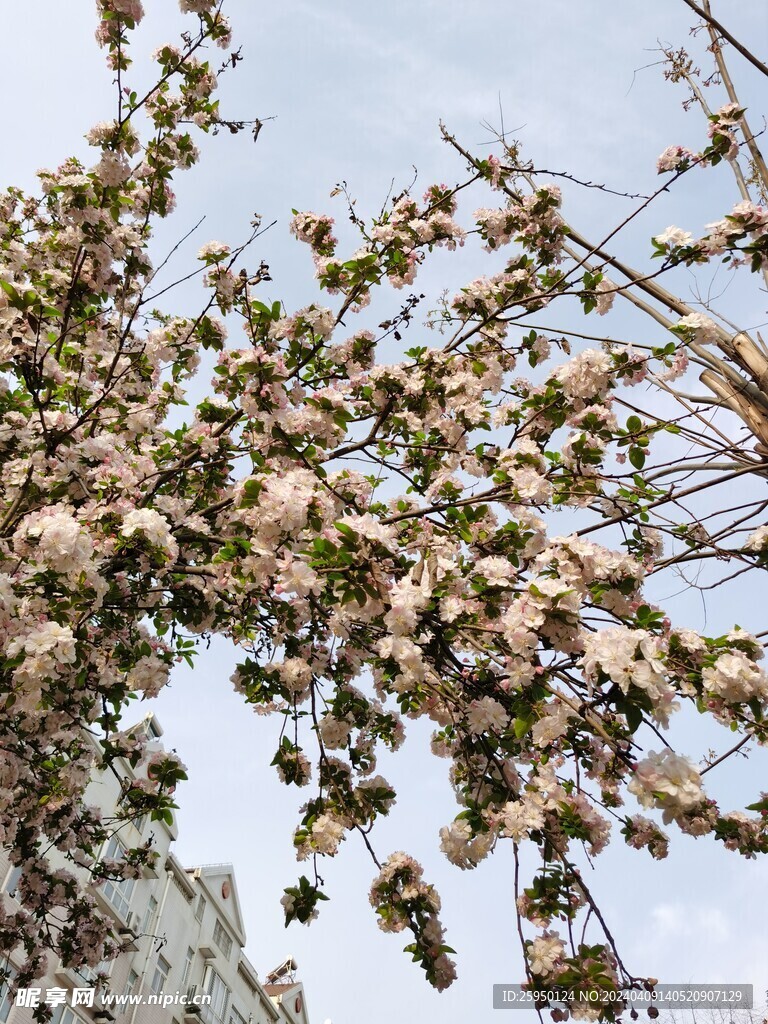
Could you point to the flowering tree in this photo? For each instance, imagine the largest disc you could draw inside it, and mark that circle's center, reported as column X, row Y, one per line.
column 375, row 537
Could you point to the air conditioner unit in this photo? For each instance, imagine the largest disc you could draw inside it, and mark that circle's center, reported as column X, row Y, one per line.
column 100, row 1012
column 193, row 1009
column 129, row 932
column 132, row 922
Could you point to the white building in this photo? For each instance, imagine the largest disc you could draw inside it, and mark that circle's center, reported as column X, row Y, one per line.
column 181, row 934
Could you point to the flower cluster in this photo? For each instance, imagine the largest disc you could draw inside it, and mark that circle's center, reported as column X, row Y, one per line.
column 402, row 899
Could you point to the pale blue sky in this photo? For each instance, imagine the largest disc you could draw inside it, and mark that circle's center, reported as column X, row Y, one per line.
column 357, row 90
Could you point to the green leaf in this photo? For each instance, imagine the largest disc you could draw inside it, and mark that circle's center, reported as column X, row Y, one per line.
column 637, row 457
column 12, row 294
column 521, row 726
column 346, row 531
column 634, row 716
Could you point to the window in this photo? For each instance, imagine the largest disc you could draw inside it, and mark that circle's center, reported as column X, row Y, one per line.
column 92, row 974
column 128, row 811
column 149, row 727
column 149, row 916
column 159, row 978
column 219, row 993
column 200, row 908
column 129, row 814
column 118, row 892
column 235, row 1017
column 130, row 988
column 7, row 973
column 12, row 881
column 189, row 959
column 222, row 939
column 66, row 1016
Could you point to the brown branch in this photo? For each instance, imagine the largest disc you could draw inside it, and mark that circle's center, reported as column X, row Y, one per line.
column 710, row 20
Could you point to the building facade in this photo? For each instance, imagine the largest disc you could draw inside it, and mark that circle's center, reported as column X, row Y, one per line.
column 181, row 935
